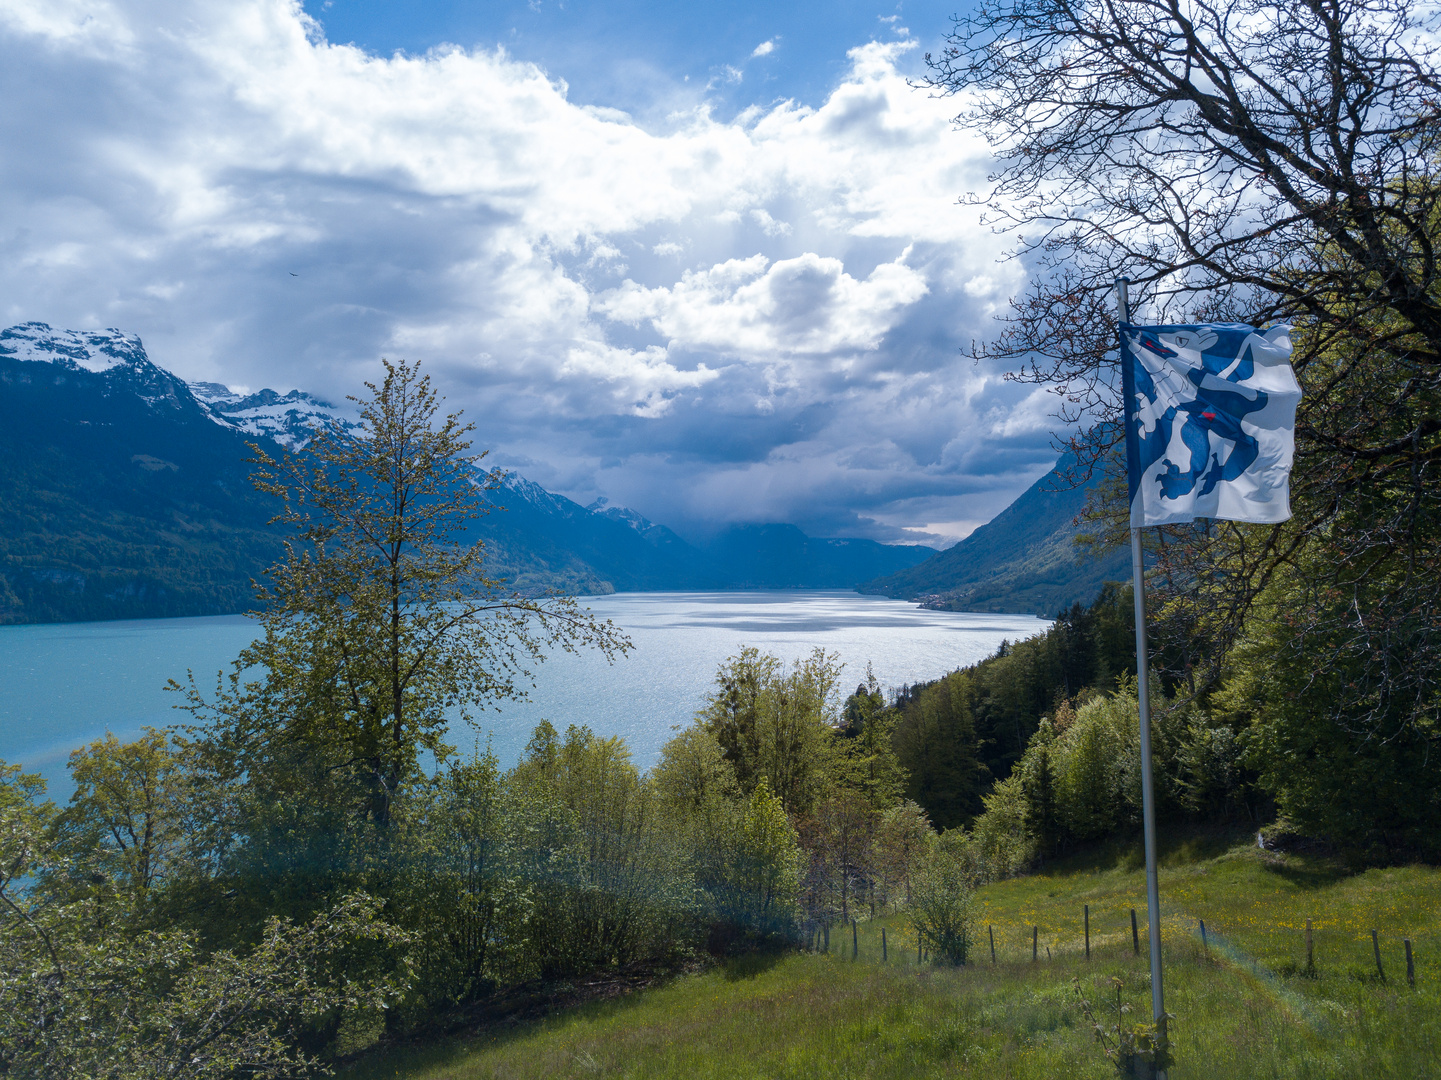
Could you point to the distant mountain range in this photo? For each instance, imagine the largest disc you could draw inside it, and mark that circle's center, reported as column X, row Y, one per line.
column 125, row 493
column 1023, row 560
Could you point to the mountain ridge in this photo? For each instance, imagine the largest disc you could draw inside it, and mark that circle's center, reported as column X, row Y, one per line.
column 125, row 494
column 1024, row 560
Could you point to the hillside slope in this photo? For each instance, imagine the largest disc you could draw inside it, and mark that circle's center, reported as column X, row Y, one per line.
column 1023, row 560
column 1244, row 1004
column 537, row 539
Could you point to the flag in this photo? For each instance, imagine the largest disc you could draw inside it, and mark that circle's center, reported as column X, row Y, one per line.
column 1210, row 422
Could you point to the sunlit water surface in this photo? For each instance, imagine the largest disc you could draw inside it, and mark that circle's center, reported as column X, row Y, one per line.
column 64, row 685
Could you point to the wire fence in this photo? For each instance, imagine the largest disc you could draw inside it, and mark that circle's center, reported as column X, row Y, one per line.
column 1315, row 947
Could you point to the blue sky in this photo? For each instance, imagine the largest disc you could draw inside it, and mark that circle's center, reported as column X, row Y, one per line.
column 639, row 55
column 705, row 261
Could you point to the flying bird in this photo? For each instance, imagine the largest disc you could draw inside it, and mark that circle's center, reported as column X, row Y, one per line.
column 294, row 274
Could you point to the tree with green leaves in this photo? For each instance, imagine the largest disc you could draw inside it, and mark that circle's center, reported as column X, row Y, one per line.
column 381, row 620
column 777, row 723
column 942, row 902
column 868, row 760
column 132, row 821
column 84, row 991
column 766, row 865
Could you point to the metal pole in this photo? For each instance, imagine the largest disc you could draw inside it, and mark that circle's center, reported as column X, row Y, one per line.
column 1143, row 702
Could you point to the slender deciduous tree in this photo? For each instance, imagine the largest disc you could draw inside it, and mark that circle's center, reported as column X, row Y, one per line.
column 381, row 621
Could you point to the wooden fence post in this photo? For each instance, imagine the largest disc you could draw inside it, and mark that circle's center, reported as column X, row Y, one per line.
column 1310, row 951
column 883, row 944
column 1376, row 948
column 1034, row 931
column 1088, row 930
column 1135, row 934
column 826, row 930
column 992, row 935
column 1410, row 967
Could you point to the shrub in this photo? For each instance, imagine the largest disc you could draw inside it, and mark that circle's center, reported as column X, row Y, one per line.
column 942, row 907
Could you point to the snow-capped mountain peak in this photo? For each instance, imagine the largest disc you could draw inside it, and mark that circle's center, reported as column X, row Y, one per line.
column 117, row 359
column 622, row 514
column 97, row 351
column 290, row 419
column 120, row 359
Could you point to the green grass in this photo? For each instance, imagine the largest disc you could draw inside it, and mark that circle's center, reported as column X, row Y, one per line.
column 1249, row 1010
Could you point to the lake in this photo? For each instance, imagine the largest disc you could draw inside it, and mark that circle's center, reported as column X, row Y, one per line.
column 63, row 685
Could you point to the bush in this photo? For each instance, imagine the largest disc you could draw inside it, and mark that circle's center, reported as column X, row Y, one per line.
column 942, row 905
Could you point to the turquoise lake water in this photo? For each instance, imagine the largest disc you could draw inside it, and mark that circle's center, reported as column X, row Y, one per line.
column 64, row 685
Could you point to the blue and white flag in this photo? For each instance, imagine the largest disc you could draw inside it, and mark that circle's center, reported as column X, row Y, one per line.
column 1210, row 422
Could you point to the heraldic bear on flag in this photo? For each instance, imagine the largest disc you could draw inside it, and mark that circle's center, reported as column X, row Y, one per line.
column 1210, row 422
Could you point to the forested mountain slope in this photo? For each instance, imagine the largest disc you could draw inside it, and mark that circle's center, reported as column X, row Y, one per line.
column 1023, row 560
column 120, row 497
column 781, row 556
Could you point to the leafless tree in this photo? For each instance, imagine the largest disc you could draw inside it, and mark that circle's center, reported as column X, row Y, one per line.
column 1240, row 159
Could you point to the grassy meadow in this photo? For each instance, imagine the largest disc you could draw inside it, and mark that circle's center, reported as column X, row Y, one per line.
column 1246, row 1005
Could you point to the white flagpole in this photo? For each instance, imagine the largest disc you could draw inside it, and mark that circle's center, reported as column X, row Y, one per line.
column 1143, row 701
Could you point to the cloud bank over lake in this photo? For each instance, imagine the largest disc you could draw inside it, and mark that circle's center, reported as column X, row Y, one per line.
column 711, row 319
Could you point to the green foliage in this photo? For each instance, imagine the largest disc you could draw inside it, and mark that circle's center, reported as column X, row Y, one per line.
column 465, row 882
column 942, row 906
column 693, row 772
column 745, row 851
column 619, row 888
column 1371, row 785
column 766, row 876
column 86, row 992
column 137, row 821
column 1002, row 832
column 849, row 845
column 777, row 723
column 840, row 840
column 1038, row 781
column 868, row 761
column 826, row 1016
column 302, row 786
column 959, row 734
column 1083, row 783
column 375, row 624
column 936, row 740
column 1125, row 1043
column 902, row 836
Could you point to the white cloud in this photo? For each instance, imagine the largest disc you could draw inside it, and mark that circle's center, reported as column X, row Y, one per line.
column 642, row 382
column 169, row 164
column 765, row 48
column 769, row 225
column 1032, row 415
column 754, row 308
